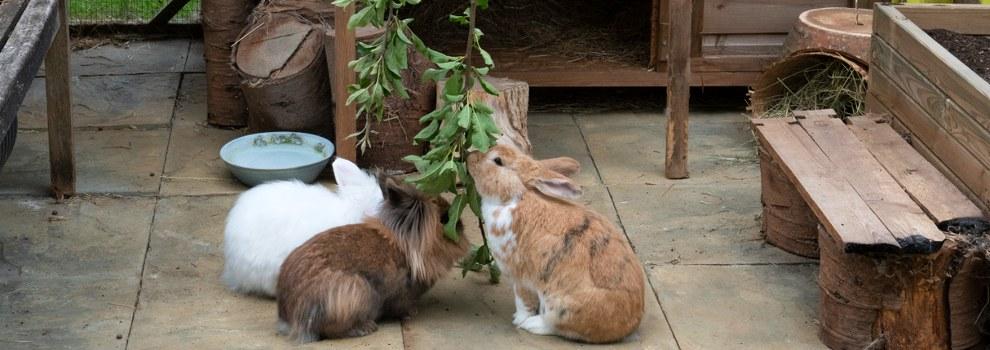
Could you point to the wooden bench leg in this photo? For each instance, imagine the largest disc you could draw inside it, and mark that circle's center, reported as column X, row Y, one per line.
column 678, row 89
column 344, row 116
column 63, row 170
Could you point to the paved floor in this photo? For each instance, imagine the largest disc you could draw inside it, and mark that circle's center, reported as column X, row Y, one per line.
column 133, row 262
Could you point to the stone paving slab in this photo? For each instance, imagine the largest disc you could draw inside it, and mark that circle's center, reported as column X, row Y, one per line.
column 556, row 140
column 467, row 313
column 193, row 165
column 696, row 224
column 740, row 307
column 120, row 100
column 629, row 148
column 184, row 302
column 109, row 161
column 537, row 119
column 195, row 62
column 80, row 264
column 136, row 57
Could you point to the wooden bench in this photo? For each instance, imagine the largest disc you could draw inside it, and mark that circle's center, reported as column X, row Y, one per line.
column 32, row 31
column 888, row 275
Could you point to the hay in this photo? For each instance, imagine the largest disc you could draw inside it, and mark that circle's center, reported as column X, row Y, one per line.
column 825, row 84
column 593, row 30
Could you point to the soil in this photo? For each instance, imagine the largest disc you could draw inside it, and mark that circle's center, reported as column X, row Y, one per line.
column 972, row 50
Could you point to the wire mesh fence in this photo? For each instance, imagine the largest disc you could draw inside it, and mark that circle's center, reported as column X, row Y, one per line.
column 127, row 11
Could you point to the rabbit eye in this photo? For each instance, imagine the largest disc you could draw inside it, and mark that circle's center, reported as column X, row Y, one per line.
column 498, row 161
column 444, row 218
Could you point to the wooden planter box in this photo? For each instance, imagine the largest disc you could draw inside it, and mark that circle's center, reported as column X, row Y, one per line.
column 929, row 95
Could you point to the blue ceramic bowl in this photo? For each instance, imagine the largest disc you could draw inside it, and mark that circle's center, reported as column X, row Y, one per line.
column 269, row 156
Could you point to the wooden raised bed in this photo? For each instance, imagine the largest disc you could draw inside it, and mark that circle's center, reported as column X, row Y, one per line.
column 930, row 96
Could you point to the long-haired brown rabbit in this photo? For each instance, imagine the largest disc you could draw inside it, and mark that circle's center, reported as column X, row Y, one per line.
column 574, row 273
column 341, row 281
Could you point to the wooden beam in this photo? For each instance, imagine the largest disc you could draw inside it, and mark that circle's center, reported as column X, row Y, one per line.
column 33, row 33
column 168, row 12
column 10, row 11
column 344, row 116
column 678, row 89
column 697, row 25
column 939, row 197
column 61, row 156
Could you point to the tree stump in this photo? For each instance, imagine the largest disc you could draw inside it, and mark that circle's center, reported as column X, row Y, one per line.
column 511, row 108
column 281, row 61
column 223, row 21
column 901, row 301
column 788, row 222
column 841, row 29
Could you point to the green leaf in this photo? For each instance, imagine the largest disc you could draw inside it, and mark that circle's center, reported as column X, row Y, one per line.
column 434, row 74
column 494, row 273
column 401, row 33
column 479, row 138
column 489, row 88
column 447, row 131
column 486, row 57
column 417, row 161
column 464, row 117
column 462, row 20
column 448, row 65
column 483, row 4
column 439, row 153
column 453, row 98
column 361, row 18
column 434, row 114
column 427, row 133
column 482, row 108
column 361, row 96
column 474, row 200
column 453, row 217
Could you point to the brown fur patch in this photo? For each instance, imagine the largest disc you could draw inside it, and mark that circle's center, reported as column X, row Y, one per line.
column 589, row 279
column 341, row 281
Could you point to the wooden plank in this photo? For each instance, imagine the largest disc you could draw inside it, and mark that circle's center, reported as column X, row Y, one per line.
column 936, row 195
column 10, row 11
column 905, row 76
column 678, row 90
column 907, row 222
column 57, row 77
column 167, row 13
column 815, row 113
column 927, row 131
column 757, row 16
column 344, row 116
column 940, row 67
column 621, row 78
column 967, row 132
column 965, row 19
column 22, row 56
column 834, row 201
column 656, row 34
column 731, row 63
column 697, row 23
column 934, row 160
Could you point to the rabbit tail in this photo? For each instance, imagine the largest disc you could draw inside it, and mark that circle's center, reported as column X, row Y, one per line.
column 335, row 305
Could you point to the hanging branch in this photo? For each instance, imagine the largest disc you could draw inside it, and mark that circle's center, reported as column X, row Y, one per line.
column 458, row 125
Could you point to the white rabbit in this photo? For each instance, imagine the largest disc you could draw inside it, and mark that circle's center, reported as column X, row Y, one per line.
column 270, row 220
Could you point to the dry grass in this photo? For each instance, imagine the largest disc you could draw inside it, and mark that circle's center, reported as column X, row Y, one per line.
column 826, row 84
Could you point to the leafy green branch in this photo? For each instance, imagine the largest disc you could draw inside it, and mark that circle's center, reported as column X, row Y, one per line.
column 459, row 124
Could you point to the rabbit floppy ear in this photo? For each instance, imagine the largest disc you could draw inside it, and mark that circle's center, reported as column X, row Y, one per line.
column 566, row 166
column 347, row 173
column 556, row 185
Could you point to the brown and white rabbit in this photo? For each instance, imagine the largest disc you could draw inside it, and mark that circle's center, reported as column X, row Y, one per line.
column 340, row 282
column 573, row 271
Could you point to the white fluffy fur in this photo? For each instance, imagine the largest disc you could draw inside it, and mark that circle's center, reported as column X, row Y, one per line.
column 269, row 221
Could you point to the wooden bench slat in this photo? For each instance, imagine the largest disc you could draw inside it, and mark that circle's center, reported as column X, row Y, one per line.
column 906, row 221
column 10, row 11
column 22, row 56
column 842, row 211
column 932, row 190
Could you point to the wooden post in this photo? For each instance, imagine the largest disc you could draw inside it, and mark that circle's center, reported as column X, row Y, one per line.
column 57, row 89
column 697, row 25
column 344, row 116
column 678, row 88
